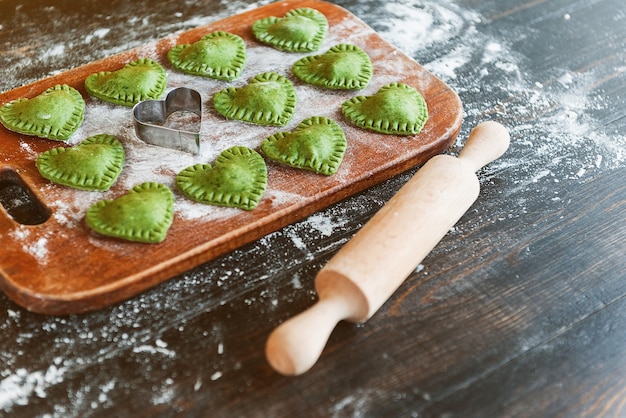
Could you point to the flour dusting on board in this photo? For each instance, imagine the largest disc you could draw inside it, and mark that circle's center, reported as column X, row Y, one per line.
column 148, row 163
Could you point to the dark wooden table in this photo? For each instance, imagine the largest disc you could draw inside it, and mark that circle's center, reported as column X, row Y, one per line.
column 519, row 312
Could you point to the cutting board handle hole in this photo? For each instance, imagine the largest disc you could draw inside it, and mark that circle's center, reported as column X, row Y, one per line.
column 19, row 201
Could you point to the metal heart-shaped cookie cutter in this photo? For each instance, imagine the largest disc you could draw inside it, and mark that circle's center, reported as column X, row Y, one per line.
column 150, row 116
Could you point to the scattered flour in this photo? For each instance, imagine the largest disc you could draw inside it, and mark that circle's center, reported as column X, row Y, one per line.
column 54, row 50
column 18, row 387
column 295, row 282
column 417, row 25
column 356, row 404
column 321, row 223
column 446, row 67
column 154, row 350
column 38, row 249
column 164, row 395
column 98, row 33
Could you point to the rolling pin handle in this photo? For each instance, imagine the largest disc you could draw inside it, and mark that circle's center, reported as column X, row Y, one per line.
column 487, row 142
column 296, row 344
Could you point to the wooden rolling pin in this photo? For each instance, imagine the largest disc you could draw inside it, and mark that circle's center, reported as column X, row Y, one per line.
column 375, row 262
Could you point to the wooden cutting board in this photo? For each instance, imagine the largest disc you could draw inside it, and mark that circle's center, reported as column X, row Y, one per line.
column 60, row 266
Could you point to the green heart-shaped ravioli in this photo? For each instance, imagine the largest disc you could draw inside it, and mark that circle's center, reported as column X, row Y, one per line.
column 144, row 214
column 54, row 114
column 269, row 99
column 342, row 67
column 95, row 164
column 317, row 144
column 138, row 80
column 300, row 30
column 237, row 179
column 395, row 109
column 219, row 55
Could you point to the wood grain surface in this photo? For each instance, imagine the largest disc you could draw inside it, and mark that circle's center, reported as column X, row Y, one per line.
column 519, row 312
column 108, row 270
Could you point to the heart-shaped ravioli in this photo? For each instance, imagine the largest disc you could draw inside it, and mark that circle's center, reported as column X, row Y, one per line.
column 238, row 178
column 220, row 55
column 54, row 114
column 95, row 164
column 138, row 80
column 144, row 214
column 317, row 144
column 395, row 109
column 342, row 67
column 269, row 99
column 300, row 30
